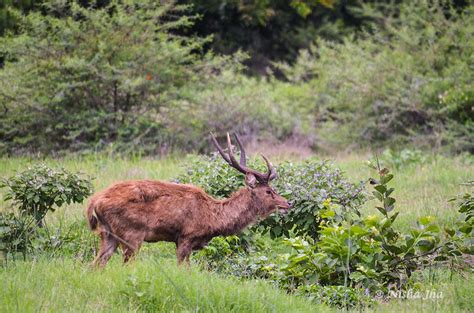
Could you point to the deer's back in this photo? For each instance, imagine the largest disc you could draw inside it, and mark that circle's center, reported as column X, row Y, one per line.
column 161, row 209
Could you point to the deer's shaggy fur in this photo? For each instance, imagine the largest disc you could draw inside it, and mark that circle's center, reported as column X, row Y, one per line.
column 129, row 213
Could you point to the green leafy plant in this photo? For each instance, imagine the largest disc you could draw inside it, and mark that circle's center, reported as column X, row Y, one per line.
column 33, row 193
column 368, row 251
column 40, row 189
column 310, row 186
column 15, row 234
column 351, row 256
column 406, row 157
column 462, row 235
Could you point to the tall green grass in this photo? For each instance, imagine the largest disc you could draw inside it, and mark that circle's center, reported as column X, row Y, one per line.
column 149, row 284
column 420, row 189
column 63, row 283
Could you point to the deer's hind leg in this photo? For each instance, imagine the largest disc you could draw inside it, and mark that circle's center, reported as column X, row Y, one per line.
column 131, row 244
column 108, row 245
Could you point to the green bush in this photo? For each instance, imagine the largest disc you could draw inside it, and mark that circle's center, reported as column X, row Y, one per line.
column 407, row 80
column 308, row 185
column 79, row 78
column 369, row 252
column 33, row 193
column 311, row 186
column 15, row 234
column 352, row 256
column 406, row 157
column 40, row 189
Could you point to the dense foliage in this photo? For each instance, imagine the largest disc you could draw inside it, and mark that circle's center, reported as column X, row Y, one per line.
column 342, row 257
column 40, row 189
column 33, row 193
column 82, row 78
column 133, row 76
column 407, row 80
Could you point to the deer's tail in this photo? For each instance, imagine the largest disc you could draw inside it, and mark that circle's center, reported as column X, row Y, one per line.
column 92, row 216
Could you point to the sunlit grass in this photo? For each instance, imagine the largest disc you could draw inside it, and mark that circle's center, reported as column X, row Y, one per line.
column 442, row 291
column 148, row 284
column 63, row 284
column 420, row 189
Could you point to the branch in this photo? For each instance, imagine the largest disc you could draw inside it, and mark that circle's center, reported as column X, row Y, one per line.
column 420, row 255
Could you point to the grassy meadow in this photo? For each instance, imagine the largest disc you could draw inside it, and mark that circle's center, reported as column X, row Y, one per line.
column 59, row 283
column 128, row 90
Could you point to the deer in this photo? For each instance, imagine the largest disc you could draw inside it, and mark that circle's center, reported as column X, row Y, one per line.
column 129, row 213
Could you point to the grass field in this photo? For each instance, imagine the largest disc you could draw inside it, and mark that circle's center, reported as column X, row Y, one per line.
column 154, row 283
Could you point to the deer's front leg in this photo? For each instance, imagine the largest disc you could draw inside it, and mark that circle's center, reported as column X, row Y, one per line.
column 183, row 250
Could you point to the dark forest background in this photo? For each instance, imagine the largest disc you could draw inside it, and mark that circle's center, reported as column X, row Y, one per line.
column 153, row 77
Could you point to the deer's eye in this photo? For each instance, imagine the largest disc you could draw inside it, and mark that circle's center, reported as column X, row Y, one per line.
column 268, row 192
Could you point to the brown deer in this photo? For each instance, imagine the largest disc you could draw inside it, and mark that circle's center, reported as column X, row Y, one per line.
column 128, row 213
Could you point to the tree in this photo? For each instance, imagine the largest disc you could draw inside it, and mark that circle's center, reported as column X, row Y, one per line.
column 78, row 77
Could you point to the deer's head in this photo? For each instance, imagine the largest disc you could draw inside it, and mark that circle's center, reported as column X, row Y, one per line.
column 262, row 194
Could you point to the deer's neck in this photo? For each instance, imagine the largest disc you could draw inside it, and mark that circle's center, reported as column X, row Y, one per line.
column 235, row 213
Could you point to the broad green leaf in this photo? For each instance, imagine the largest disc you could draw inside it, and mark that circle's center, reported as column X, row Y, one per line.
column 377, row 195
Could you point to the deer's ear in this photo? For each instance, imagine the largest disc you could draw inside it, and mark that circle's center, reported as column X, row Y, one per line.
column 250, row 180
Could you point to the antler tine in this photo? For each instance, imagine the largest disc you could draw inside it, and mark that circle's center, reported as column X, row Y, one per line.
column 229, row 150
column 243, row 156
column 221, row 152
column 272, row 174
column 241, row 167
column 233, row 161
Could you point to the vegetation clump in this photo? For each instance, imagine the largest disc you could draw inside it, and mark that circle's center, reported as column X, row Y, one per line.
column 33, row 193
column 341, row 257
column 131, row 77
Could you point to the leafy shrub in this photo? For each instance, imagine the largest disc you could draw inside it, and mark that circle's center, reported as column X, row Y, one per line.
column 462, row 235
column 15, row 234
column 106, row 74
column 339, row 296
column 404, row 81
column 351, row 256
column 34, row 192
column 311, row 186
column 40, row 189
column 308, row 185
column 369, row 252
column 406, row 157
